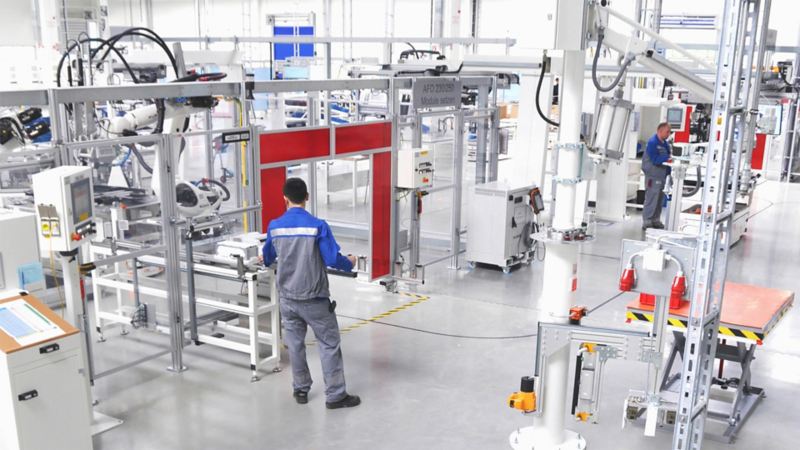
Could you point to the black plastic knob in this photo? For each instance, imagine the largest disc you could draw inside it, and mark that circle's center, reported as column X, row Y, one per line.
column 527, row 384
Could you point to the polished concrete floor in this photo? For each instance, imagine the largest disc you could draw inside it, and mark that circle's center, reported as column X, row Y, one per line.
column 436, row 375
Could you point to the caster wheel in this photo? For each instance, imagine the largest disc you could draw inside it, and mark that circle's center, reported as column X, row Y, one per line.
column 506, row 270
column 254, row 378
column 276, row 370
column 101, row 339
column 470, row 264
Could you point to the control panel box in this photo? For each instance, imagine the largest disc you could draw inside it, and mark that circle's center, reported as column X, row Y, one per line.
column 500, row 223
column 414, row 168
column 64, row 199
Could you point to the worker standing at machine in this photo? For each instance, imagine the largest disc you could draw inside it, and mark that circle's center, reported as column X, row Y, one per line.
column 657, row 153
column 304, row 247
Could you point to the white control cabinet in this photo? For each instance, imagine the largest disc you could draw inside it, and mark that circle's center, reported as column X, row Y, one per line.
column 499, row 225
column 18, row 245
column 414, row 168
column 63, row 198
column 43, row 398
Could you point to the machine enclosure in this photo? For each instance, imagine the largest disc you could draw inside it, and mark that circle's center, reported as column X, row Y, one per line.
column 22, row 249
column 414, row 168
column 499, row 216
column 55, row 193
column 58, row 416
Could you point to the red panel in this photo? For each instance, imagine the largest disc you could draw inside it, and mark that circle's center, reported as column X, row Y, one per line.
column 359, row 138
column 272, row 204
column 757, row 162
column 381, row 214
column 294, row 145
column 683, row 136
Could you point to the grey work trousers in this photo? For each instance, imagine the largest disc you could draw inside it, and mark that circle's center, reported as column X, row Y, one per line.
column 653, row 198
column 296, row 316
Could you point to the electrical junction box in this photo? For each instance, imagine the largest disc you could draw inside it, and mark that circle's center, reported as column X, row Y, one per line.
column 500, row 223
column 654, row 259
column 64, row 199
column 414, row 168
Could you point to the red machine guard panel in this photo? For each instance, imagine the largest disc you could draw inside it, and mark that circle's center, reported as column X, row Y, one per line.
column 360, row 138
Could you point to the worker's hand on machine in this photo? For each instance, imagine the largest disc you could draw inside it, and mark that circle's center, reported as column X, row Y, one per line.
column 352, row 260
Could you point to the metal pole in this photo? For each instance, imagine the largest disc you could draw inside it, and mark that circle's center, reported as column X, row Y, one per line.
column 172, row 254
column 458, row 176
column 190, row 292
column 480, row 141
column 136, row 298
column 494, row 148
column 389, row 25
column 414, row 223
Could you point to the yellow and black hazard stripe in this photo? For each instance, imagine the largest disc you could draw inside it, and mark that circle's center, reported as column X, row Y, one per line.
column 417, row 300
column 747, row 334
column 679, row 323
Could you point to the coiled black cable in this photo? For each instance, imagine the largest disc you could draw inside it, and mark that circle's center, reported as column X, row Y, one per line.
column 221, row 186
column 539, row 91
column 77, row 44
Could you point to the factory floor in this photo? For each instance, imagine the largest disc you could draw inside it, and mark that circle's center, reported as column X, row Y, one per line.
column 436, row 375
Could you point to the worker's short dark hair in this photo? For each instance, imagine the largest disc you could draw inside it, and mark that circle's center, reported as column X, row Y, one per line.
column 295, row 190
column 662, row 125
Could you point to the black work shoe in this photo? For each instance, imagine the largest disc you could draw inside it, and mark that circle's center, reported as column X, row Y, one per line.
column 301, row 397
column 658, row 226
column 348, row 401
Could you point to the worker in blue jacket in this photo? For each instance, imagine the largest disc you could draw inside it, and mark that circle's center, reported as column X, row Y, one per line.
column 657, row 153
column 304, row 247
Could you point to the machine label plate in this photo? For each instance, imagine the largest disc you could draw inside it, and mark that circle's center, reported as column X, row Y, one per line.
column 437, row 93
column 235, row 136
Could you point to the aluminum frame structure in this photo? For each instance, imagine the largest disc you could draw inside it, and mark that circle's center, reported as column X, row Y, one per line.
column 42, row 156
column 735, row 108
column 66, row 136
column 169, row 246
column 485, row 116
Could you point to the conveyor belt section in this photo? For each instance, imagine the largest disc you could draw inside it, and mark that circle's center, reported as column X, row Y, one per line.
column 681, row 324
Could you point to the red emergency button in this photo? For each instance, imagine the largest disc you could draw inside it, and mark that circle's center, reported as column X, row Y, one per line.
column 75, row 237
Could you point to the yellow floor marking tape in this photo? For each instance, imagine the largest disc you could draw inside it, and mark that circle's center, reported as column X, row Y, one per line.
column 417, row 300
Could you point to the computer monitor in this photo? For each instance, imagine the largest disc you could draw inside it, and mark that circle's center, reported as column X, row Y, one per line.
column 676, row 118
column 81, row 192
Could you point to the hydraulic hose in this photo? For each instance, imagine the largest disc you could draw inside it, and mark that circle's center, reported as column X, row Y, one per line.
column 625, row 63
column 221, row 186
column 696, row 188
column 139, row 157
column 538, row 106
column 104, row 42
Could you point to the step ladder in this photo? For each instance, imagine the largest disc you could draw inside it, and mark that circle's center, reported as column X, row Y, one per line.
column 735, row 109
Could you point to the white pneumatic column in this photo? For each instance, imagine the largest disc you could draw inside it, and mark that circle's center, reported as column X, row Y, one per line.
column 561, row 262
